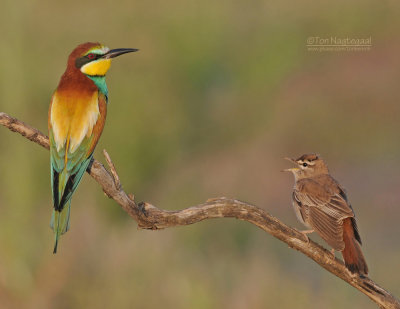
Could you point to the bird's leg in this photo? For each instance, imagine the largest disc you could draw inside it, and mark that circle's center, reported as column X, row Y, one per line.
column 333, row 252
column 305, row 234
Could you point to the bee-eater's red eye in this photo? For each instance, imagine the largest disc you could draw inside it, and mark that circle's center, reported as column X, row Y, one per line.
column 91, row 56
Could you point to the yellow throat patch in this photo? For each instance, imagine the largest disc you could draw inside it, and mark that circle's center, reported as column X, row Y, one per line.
column 98, row 67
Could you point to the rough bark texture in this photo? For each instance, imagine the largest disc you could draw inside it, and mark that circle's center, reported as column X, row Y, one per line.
column 148, row 216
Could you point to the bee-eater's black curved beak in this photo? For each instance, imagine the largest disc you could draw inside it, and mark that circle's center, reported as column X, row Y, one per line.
column 118, row 51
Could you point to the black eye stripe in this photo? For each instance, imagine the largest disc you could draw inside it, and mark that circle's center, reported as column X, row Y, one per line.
column 80, row 62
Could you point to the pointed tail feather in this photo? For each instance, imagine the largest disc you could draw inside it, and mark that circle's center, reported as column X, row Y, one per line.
column 352, row 254
column 60, row 223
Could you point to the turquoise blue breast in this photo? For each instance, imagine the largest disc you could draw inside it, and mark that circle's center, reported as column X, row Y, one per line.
column 100, row 82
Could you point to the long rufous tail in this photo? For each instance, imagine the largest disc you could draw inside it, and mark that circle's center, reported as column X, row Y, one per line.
column 352, row 254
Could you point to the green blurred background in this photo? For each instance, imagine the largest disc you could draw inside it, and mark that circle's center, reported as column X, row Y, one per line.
column 219, row 93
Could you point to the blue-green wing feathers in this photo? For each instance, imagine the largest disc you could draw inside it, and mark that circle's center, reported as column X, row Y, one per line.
column 65, row 178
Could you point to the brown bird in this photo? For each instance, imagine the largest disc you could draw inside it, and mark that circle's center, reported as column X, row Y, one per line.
column 321, row 204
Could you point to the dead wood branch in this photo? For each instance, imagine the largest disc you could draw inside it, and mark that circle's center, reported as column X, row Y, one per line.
column 148, row 216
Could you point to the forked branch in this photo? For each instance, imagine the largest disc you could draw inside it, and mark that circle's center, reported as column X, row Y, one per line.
column 148, row 216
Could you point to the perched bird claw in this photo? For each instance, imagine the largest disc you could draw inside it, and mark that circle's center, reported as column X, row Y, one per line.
column 305, row 234
column 142, row 208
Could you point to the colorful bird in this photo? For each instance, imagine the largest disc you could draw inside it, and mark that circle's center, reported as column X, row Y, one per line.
column 321, row 204
column 77, row 114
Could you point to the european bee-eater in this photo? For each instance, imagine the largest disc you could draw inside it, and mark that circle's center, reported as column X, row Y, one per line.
column 77, row 114
column 321, row 204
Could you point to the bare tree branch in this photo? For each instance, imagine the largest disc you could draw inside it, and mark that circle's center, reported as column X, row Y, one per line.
column 150, row 217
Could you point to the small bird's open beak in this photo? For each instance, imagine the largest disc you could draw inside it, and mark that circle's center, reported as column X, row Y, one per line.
column 293, row 169
column 118, row 52
column 290, row 159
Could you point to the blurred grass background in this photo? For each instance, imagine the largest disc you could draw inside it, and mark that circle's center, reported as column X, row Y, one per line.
column 219, row 92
